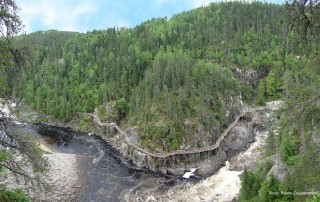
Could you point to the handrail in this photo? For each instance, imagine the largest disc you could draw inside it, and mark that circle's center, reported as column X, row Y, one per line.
column 176, row 152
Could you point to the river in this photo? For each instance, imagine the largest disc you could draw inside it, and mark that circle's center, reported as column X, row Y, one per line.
column 104, row 174
column 101, row 174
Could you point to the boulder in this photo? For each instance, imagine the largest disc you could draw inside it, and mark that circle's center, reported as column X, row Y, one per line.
column 212, row 164
column 278, row 170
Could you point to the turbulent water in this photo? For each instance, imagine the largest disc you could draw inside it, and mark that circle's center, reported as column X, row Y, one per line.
column 105, row 175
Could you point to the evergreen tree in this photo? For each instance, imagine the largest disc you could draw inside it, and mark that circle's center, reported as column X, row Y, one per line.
column 270, row 190
column 246, row 188
column 261, row 94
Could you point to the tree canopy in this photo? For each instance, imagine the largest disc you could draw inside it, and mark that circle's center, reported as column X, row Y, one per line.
column 178, row 76
column 180, row 80
column 13, row 142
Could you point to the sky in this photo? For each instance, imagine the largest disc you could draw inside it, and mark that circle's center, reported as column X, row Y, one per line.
column 87, row 15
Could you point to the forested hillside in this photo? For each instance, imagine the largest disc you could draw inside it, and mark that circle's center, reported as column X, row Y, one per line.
column 171, row 78
column 292, row 148
column 180, row 81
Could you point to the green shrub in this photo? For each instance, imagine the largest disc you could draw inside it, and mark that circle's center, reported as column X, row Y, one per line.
column 13, row 195
column 288, row 150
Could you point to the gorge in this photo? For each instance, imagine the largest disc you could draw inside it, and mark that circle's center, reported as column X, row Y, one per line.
column 83, row 164
column 121, row 114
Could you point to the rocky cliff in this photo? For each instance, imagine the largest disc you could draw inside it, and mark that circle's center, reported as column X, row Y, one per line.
column 255, row 122
column 237, row 140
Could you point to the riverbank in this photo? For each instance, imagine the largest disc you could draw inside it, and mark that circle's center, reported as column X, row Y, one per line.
column 248, row 135
column 63, row 176
column 207, row 160
column 226, row 183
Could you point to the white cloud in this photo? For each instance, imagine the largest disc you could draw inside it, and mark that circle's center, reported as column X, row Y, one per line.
column 161, row 2
column 198, row 3
column 111, row 20
column 84, row 15
column 55, row 14
column 190, row 3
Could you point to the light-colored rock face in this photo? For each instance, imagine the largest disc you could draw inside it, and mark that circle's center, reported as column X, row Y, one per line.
column 133, row 136
column 140, row 159
column 207, row 163
column 275, row 105
column 249, row 76
column 212, row 164
column 250, row 135
column 278, row 169
column 226, row 183
column 212, row 189
column 239, row 137
column 223, row 186
column 6, row 107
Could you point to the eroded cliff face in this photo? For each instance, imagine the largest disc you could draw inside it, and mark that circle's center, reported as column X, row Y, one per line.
column 207, row 163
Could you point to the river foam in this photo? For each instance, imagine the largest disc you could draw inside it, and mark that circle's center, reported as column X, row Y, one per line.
column 223, row 186
column 108, row 177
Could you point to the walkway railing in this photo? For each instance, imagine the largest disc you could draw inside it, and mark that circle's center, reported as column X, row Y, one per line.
column 176, row 152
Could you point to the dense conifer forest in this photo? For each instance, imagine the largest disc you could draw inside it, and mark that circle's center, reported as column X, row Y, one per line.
column 162, row 73
column 168, row 76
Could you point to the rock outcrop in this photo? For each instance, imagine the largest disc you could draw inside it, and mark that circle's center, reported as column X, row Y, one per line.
column 237, row 140
column 242, row 133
